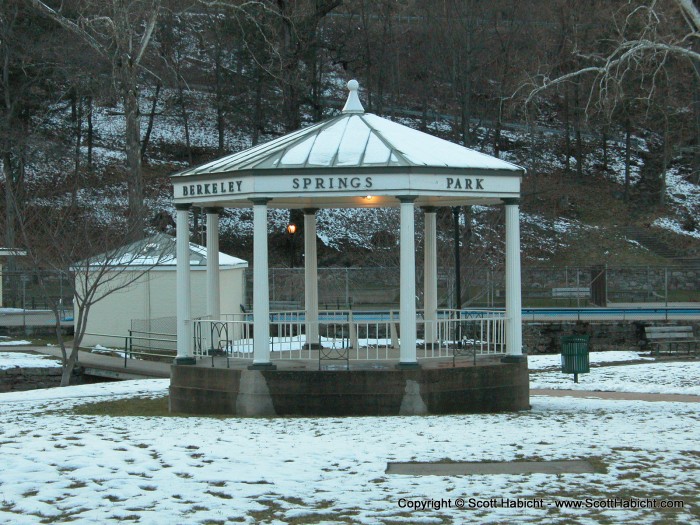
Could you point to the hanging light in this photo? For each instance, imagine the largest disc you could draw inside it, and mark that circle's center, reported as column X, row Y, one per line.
column 291, row 229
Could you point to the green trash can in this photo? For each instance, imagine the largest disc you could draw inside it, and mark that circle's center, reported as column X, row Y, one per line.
column 574, row 355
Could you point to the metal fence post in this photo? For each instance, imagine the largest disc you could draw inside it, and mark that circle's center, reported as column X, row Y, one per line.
column 347, row 286
column 606, row 284
column 666, row 289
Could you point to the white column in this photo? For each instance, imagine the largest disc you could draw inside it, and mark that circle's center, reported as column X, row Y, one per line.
column 430, row 274
column 213, row 289
column 407, row 313
column 182, row 254
column 514, row 329
column 310, row 279
column 261, row 287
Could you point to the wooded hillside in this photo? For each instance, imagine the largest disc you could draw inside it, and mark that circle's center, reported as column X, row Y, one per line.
column 599, row 100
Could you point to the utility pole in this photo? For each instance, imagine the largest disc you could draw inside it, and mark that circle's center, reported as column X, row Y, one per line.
column 458, row 278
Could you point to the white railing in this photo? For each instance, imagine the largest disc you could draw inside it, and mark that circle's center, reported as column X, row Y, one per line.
column 369, row 335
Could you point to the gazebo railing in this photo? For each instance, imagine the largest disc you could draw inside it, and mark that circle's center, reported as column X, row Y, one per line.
column 369, row 335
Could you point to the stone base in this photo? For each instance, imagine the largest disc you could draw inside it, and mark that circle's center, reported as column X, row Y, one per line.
column 514, row 358
column 185, row 361
column 407, row 366
column 262, row 366
column 493, row 387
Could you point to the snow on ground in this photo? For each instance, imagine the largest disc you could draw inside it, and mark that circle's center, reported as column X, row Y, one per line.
column 21, row 360
column 673, row 225
column 15, row 343
column 99, row 469
column 649, row 378
column 684, row 196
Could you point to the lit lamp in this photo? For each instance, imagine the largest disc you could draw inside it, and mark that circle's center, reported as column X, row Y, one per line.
column 291, row 230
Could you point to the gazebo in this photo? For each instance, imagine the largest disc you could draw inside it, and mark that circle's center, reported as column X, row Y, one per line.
column 353, row 160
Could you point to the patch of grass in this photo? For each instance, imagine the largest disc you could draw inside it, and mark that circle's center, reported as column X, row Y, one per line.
column 599, row 465
column 135, row 406
column 218, row 494
column 130, row 517
column 131, row 407
column 293, row 500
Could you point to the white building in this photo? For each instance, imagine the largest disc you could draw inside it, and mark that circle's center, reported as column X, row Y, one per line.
column 149, row 298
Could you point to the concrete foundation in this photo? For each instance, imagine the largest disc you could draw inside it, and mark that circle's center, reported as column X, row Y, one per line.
column 431, row 389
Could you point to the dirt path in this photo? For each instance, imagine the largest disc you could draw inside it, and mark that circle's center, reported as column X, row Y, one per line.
column 627, row 396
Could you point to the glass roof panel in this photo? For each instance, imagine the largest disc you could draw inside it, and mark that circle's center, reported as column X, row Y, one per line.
column 298, row 153
column 353, row 143
column 376, row 151
column 326, row 144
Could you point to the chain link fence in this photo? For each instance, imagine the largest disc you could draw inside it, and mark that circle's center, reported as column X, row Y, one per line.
column 35, row 290
column 378, row 287
column 563, row 286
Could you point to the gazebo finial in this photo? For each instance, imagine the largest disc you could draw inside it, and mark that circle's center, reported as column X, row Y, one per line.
column 353, row 104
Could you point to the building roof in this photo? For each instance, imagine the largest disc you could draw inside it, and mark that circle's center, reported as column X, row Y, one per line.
column 353, row 139
column 159, row 250
column 8, row 252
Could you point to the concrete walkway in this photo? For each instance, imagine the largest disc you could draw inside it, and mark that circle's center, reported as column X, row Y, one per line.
column 107, row 366
column 626, row 396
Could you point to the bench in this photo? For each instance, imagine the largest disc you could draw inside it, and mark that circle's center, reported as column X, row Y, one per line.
column 672, row 339
column 571, row 293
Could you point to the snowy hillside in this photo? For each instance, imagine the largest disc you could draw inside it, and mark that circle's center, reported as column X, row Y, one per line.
column 549, row 229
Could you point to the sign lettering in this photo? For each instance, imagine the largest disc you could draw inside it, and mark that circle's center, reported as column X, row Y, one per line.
column 464, row 184
column 331, row 183
column 214, row 188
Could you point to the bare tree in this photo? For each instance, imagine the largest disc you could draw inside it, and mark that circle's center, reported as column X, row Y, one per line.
column 118, row 31
column 646, row 38
column 61, row 238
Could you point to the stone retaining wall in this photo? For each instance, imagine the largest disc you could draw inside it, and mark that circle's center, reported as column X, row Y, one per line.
column 490, row 387
column 16, row 379
column 545, row 337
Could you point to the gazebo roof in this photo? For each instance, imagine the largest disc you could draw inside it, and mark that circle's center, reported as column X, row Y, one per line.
column 353, row 139
column 354, row 160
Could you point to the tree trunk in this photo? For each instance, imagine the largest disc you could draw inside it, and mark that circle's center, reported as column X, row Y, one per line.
column 696, row 111
column 567, row 133
column 497, row 133
column 10, row 210
column 149, row 127
column 185, row 121
column 605, row 149
column 135, row 193
column 628, row 158
column 664, row 166
column 89, row 131
column 258, row 109
column 69, row 367
column 577, row 132
column 219, row 93
column 78, row 140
